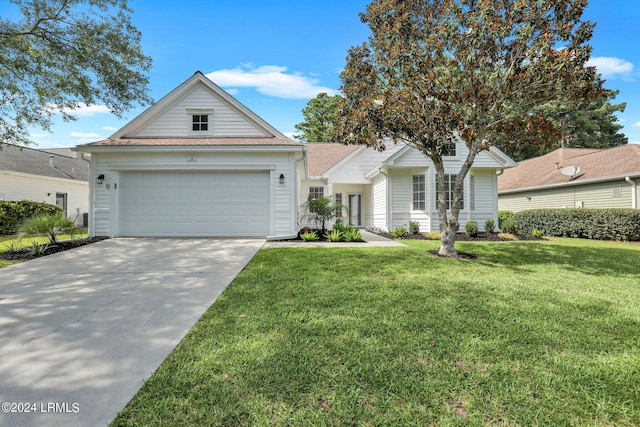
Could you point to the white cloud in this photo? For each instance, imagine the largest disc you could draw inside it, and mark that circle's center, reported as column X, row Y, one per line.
column 232, row 91
column 84, row 110
column 109, row 128
column 271, row 80
column 637, row 124
column 610, row 66
column 290, row 134
column 84, row 137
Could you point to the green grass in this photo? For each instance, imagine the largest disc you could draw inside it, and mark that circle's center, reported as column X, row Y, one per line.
column 7, row 242
column 529, row 333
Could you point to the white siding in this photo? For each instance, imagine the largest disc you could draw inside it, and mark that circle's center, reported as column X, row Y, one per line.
column 379, row 202
column 282, row 221
column 44, row 189
column 400, row 197
column 176, row 121
column 361, row 164
column 485, row 197
column 589, row 196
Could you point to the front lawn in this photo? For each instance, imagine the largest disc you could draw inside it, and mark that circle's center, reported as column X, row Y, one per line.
column 529, row 333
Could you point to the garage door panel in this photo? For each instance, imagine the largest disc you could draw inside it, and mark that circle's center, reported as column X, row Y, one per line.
column 194, row 203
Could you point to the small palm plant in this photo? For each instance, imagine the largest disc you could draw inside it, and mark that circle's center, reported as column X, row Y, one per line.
column 51, row 225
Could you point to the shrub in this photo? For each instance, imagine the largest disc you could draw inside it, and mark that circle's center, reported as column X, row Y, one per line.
column 489, row 226
column 51, row 225
column 471, row 228
column 398, row 232
column 506, row 222
column 352, row 235
column 432, row 235
column 537, row 233
column 310, row 236
column 14, row 214
column 597, row 224
column 335, row 236
column 414, row 227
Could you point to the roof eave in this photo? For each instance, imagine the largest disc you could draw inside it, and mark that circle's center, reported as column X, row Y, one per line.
column 572, row 183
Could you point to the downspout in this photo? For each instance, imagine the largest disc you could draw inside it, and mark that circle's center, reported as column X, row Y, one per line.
column 496, row 219
column 634, row 192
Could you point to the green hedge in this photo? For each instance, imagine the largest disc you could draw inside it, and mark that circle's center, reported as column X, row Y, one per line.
column 14, row 214
column 597, row 224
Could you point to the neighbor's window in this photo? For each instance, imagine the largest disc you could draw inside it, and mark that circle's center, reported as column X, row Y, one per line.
column 316, row 192
column 449, row 183
column 472, row 193
column 419, row 203
column 200, row 122
column 617, row 191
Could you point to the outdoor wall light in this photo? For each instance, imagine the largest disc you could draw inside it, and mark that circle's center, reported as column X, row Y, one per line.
column 100, row 178
column 529, row 198
column 281, row 178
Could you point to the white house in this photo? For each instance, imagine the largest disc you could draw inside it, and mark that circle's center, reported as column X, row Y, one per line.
column 199, row 163
column 41, row 176
column 391, row 188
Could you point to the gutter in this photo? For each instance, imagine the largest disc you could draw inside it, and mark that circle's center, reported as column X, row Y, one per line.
column 634, row 192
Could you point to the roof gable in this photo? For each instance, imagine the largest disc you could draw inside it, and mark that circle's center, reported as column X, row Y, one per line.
column 169, row 117
column 41, row 163
column 595, row 164
column 322, row 157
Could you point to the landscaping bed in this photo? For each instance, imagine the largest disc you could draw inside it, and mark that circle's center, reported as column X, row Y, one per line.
column 38, row 250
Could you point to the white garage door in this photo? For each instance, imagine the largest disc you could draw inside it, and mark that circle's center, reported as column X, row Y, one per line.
column 194, row 203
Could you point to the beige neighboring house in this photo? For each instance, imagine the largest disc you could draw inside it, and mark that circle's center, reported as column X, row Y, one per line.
column 41, row 176
column 573, row 178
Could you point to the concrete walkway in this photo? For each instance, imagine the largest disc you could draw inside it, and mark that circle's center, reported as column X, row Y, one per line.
column 370, row 240
column 81, row 330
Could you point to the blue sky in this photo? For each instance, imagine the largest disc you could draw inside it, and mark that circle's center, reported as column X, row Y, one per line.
column 275, row 56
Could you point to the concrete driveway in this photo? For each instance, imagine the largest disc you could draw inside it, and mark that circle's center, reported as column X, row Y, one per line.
column 81, row 330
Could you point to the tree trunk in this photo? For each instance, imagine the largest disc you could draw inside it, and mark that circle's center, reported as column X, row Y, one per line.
column 448, row 238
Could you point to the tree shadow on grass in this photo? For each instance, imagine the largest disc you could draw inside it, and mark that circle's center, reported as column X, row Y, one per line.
column 530, row 256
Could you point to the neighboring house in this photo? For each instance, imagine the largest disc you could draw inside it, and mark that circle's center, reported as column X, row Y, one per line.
column 606, row 178
column 199, row 163
column 391, row 188
column 40, row 176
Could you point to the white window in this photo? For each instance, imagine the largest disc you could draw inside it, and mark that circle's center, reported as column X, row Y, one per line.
column 339, row 204
column 449, row 184
column 200, row 123
column 315, row 192
column 449, row 151
column 419, row 203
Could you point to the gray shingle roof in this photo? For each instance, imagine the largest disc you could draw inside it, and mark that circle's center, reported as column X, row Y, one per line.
column 37, row 162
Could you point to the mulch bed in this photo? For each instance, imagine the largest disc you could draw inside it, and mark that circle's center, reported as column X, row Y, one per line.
column 27, row 253
column 481, row 237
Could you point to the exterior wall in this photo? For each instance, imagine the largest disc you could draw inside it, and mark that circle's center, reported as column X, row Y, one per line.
column 176, row 121
column 105, row 203
column 401, row 187
column 361, row 164
column 378, row 207
column 485, row 197
column 44, row 189
column 610, row 194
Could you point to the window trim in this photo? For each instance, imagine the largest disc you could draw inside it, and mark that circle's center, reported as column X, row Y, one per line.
column 313, row 193
column 450, row 180
column 420, row 203
column 192, row 112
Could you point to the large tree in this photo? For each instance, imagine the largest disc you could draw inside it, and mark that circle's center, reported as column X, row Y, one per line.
column 320, row 118
column 594, row 126
column 434, row 72
column 61, row 55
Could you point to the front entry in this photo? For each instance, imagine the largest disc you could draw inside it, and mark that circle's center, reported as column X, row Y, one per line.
column 355, row 210
column 61, row 202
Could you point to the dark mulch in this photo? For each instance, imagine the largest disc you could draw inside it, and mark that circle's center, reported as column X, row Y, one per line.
column 28, row 253
column 481, row 237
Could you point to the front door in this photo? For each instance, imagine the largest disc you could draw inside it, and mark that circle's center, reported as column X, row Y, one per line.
column 355, row 210
column 61, row 201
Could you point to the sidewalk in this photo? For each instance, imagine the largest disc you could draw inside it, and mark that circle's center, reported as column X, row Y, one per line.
column 370, row 240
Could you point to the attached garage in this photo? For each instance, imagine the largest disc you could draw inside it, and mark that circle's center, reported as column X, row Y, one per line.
column 194, row 203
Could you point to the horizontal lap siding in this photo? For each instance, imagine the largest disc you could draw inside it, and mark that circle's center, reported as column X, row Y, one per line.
column 588, row 196
column 485, row 200
column 176, row 122
column 379, row 202
column 400, row 198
